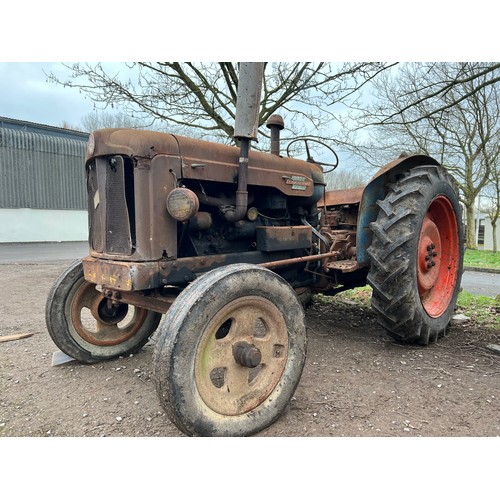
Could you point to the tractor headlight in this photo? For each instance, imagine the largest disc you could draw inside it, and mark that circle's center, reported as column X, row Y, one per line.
column 182, row 204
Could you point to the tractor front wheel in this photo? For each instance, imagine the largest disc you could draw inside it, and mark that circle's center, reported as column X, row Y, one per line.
column 417, row 256
column 84, row 326
column 230, row 352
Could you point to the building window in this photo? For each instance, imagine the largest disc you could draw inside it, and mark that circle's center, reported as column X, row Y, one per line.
column 480, row 232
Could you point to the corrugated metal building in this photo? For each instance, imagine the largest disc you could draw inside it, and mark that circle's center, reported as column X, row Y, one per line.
column 42, row 183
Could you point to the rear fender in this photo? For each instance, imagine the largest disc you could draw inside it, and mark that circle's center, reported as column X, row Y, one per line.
column 376, row 190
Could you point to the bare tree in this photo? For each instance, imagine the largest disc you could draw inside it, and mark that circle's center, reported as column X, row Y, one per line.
column 102, row 119
column 68, row 126
column 344, row 179
column 460, row 132
column 202, row 96
column 432, row 89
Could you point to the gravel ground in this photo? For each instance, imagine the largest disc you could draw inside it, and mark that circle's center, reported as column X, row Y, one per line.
column 356, row 383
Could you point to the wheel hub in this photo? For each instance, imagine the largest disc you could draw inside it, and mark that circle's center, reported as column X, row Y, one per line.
column 429, row 250
column 102, row 325
column 111, row 314
column 246, row 355
column 438, row 257
column 241, row 355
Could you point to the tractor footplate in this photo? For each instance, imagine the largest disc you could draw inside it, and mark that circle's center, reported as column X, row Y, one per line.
column 346, row 266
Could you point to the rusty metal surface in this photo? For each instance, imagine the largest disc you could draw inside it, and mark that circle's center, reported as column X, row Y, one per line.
column 345, row 266
column 339, row 216
column 155, row 230
column 186, row 269
column 128, row 142
column 406, row 163
column 257, row 322
column 276, row 238
column 203, row 160
column 154, row 302
column 275, row 123
column 342, row 197
column 122, row 275
column 218, row 162
column 102, row 333
column 297, row 260
column 109, row 217
column 131, row 276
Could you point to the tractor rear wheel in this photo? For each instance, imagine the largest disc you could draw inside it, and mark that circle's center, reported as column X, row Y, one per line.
column 230, row 352
column 417, row 256
column 82, row 325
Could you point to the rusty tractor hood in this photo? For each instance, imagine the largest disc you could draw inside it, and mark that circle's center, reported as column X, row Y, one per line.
column 295, row 177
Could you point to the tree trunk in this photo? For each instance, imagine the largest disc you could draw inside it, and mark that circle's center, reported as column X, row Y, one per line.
column 470, row 237
column 494, row 228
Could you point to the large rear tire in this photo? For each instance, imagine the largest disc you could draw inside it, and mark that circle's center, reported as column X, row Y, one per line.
column 81, row 325
column 230, row 352
column 417, row 256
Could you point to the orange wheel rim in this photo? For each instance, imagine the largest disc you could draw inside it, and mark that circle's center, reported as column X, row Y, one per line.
column 438, row 257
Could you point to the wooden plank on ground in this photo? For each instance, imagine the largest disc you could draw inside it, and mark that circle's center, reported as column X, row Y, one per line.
column 17, row 336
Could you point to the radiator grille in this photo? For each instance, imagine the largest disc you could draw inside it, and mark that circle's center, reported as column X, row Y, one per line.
column 108, row 182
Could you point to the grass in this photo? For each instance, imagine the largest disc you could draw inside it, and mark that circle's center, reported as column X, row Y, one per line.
column 483, row 311
column 482, row 258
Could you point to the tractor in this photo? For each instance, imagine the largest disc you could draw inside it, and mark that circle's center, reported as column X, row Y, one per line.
column 217, row 249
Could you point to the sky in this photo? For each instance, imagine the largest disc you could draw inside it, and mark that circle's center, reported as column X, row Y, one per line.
column 25, row 94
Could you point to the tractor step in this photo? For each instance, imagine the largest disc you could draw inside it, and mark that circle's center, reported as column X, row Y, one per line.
column 346, row 266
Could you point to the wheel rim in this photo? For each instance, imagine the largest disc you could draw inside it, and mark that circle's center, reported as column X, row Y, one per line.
column 224, row 383
column 87, row 319
column 438, row 257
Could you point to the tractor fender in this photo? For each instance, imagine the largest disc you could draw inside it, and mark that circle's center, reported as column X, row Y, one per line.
column 377, row 190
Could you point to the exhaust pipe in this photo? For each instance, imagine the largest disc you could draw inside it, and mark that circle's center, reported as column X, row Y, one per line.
column 245, row 130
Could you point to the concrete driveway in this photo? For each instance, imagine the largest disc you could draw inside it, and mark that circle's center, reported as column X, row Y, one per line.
column 17, row 253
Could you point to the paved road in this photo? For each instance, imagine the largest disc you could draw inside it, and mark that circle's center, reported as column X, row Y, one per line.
column 478, row 283
column 11, row 253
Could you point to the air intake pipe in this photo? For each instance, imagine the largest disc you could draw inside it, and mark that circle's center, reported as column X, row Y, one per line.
column 245, row 130
column 275, row 123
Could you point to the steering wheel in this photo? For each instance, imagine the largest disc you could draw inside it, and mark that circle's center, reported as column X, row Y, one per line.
column 310, row 159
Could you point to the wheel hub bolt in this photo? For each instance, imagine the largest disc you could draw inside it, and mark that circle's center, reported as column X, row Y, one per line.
column 431, row 253
column 246, row 355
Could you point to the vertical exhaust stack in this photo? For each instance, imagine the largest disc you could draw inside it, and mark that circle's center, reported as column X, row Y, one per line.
column 245, row 129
